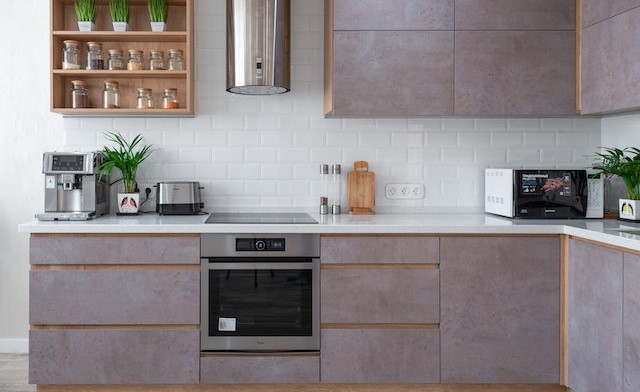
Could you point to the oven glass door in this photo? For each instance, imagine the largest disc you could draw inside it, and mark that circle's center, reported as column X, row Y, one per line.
column 260, row 297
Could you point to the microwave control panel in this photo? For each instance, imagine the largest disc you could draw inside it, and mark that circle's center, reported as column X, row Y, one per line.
column 260, row 245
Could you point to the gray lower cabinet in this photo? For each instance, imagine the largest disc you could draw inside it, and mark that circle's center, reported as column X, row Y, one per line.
column 255, row 368
column 631, row 323
column 112, row 309
column 500, row 309
column 380, row 306
column 380, row 356
column 595, row 318
column 113, row 356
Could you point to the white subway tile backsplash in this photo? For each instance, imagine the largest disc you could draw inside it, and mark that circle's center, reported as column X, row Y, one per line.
column 264, row 152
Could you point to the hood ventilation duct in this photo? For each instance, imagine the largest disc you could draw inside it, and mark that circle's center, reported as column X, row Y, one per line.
column 258, row 46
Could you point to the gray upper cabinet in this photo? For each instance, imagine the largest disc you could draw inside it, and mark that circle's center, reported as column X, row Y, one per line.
column 595, row 11
column 444, row 57
column 631, row 378
column 514, row 73
column 610, row 58
column 515, row 14
column 393, row 15
column 387, row 58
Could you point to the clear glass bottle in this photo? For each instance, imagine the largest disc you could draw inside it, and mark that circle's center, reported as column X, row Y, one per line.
column 79, row 97
column 156, row 60
column 111, row 95
column 145, row 98
column 135, row 60
column 170, row 99
column 176, row 60
column 94, row 56
column 116, row 61
column 336, row 189
column 324, row 189
column 71, row 55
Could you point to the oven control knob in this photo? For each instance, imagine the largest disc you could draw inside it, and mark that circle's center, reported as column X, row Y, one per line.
column 260, row 245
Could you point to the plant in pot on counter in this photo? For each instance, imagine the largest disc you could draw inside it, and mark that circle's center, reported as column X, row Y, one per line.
column 126, row 157
column 86, row 14
column 119, row 10
column 158, row 11
column 624, row 163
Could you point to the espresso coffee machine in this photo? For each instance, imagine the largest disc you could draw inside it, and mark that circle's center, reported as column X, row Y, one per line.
column 73, row 189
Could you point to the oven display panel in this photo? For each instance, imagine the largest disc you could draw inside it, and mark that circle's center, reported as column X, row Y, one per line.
column 260, row 245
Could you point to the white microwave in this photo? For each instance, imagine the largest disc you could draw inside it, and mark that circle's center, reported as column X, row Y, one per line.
column 544, row 193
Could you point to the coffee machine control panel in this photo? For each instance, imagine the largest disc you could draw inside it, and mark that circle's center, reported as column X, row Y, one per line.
column 65, row 162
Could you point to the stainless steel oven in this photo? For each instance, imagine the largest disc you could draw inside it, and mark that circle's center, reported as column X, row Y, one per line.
column 260, row 292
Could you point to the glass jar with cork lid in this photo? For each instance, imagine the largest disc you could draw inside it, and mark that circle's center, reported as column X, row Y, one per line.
column 135, row 60
column 170, row 99
column 176, row 60
column 156, row 60
column 79, row 95
column 95, row 61
column 71, row 54
column 116, row 61
column 111, row 94
column 145, row 98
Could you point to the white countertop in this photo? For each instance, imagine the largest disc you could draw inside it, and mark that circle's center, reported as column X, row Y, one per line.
column 601, row 230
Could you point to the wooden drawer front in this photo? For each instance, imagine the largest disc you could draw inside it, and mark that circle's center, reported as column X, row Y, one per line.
column 379, row 249
column 260, row 369
column 379, row 296
column 380, row 356
column 107, row 297
column 115, row 250
column 142, row 356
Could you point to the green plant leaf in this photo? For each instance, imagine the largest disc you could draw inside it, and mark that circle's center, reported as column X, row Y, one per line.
column 158, row 10
column 119, row 10
column 85, row 10
column 125, row 157
column 624, row 163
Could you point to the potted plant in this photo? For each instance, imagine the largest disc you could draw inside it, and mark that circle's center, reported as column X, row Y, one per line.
column 119, row 10
column 624, row 163
column 126, row 157
column 85, row 14
column 158, row 11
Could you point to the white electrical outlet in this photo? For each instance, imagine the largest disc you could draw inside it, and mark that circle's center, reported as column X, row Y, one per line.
column 404, row 191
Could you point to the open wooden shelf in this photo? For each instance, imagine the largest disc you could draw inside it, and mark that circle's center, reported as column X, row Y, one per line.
column 179, row 35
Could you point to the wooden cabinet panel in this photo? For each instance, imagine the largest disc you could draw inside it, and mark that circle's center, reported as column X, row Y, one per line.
column 393, row 15
column 114, row 356
column 101, row 297
column 248, row 368
column 379, row 249
column 631, row 323
column 179, row 35
column 610, row 58
column 380, row 355
column 595, row 318
column 595, row 11
column 115, row 249
column 379, row 296
column 514, row 73
column 500, row 310
column 515, row 14
column 391, row 73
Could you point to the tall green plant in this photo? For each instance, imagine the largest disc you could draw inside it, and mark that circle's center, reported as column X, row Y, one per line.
column 124, row 157
column 85, row 10
column 624, row 163
column 158, row 10
column 119, row 10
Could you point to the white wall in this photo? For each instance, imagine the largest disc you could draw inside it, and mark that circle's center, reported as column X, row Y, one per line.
column 621, row 131
column 27, row 130
column 257, row 152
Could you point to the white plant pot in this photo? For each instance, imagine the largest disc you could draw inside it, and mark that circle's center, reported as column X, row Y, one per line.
column 86, row 26
column 128, row 203
column 629, row 209
column 120, row 26
column 158, row 27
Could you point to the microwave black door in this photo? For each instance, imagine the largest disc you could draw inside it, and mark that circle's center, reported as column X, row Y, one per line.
column 262, row 301
column 558, row 194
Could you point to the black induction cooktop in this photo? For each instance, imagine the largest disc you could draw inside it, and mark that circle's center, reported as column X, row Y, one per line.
column 259, row 218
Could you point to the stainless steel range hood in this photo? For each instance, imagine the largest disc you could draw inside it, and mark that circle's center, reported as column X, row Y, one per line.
column 258, row 46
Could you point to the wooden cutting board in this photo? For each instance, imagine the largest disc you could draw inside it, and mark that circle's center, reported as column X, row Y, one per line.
column 361, row 189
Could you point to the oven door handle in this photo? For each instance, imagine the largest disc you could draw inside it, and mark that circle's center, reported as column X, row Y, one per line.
column 260, row 266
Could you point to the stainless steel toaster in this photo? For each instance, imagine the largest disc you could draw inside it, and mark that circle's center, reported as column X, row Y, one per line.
column 178, row 198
